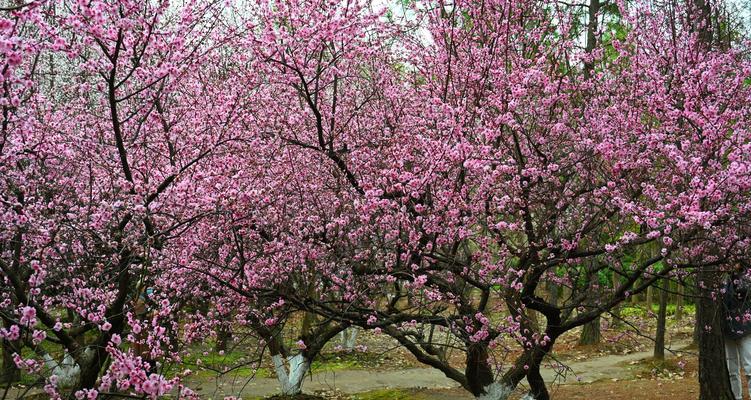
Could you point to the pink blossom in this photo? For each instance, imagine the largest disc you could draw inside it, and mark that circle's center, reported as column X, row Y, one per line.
column 28, row 316
column 38, row 336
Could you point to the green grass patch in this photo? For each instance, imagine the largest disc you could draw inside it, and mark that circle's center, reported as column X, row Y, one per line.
column 334, row 365
column 341, row 360
column 641, row 310
column 212, row 364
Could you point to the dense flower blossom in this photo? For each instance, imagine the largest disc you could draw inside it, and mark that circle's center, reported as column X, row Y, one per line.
column 171, row 171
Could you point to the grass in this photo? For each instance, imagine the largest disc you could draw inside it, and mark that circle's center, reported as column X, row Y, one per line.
column 345, row 360
column 641, row 311
column 334, row 365
column 212, row 364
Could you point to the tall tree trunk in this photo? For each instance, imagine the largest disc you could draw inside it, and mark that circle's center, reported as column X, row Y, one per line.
column 713, row 372
column 591, row 332
column 714, row 383
column 649, row 300
column 594, row 10
column 679, row 301
column 659, row 351
column 635, row 298
column 616, row 311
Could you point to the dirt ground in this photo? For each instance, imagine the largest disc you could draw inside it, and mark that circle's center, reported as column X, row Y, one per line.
column 628, row 390
column 621, row 390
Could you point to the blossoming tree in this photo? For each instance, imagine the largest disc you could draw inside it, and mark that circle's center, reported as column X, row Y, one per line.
column 490, row 154
column 101, row 157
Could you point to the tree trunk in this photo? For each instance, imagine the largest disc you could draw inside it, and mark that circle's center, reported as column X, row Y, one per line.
column 537, row 388
column 223, row 335
column 554, row 292
column 9, row 373
column 478, row 372
column 591, row 332
column 616, row 311
column 713, row 373
column 679, row 301
column 527, row 365
column 659, row 351
column 291, row 378
column 697, row 331
column 307, row 323
column 349, row 338
column 593, row 11
column 91, row 369
column 649, row 300
column 565, row 294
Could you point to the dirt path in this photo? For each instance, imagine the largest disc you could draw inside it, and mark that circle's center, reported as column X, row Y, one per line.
column 607, row 367
column 358, row 381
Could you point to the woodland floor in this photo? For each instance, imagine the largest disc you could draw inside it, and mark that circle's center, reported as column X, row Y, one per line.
column 614, row 376
column 619, row 368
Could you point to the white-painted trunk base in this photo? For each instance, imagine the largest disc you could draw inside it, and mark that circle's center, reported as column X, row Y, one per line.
column 498, row 391
column 68, row 371
column 349, row 338
column 291, row 374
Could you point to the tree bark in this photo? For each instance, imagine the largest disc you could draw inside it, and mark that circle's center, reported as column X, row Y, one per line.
column 649, row 300
column 591, row 332
column 659, row 351
column 478, row 372
column 679, row 301
column 594, row 10
column 307, row 323
column 697, row 331
column 537, row 388
column 713, row 373
column 9, row 373
column 554, row 291
column 616, row 311
column 528, row 365
column 223, row 335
